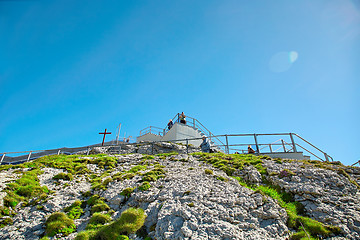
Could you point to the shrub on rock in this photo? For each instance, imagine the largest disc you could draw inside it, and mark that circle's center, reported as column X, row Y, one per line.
column 74, row 211
column 98, row 220
column 130, row 221
column 100, row 207
column 64, row 176
column 59, row 222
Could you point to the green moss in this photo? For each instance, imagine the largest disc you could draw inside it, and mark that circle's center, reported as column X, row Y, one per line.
column 147, row 157
column 104, row 162
column 191, row 204
column 86, row 235
column 144, row 186
column 153, row 174
column 100, row 207
column 130, row 221
column 298, row 236
column 208, row 171
column 59, row 222
column 286, row 173
column 24, row 189
column 5, row 221
column 95, row 199
column 341, row 171
column 86, row 194
column 64, row 176
column 97, row 221
column 128, row 176
column 5, row 211
column 122, row 237
column 127, row 192
column 44, row 238
column 74, row 211
column 167, row 154
column 137, row 168
column 221, row 178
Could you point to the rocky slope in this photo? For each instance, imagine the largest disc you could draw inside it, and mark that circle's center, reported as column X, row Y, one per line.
column 195, row 196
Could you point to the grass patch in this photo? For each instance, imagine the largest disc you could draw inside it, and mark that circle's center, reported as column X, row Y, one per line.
column 74, row 211
column 97, row 221
column 59, row 222
column 100, row 207
column 127, row 192
column 130, row 221
column 167, row 154
column 154, row 174
column 64, row 176
column 144, row 186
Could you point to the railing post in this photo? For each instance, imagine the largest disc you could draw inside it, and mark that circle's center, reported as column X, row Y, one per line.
column 194, row 122
column 29, row 156
column 293, row 142
column 88, row 151
column 152, row 148
column 326, row 157
column 210, row 136
column 59, row 152
column 270, row 148
column 2, row 158
column 282, row 141
column 178, row 117
column 227, row 144
column 187, row 146
column 256, row 143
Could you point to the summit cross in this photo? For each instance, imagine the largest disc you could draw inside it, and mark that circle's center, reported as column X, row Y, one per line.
column 104, row 136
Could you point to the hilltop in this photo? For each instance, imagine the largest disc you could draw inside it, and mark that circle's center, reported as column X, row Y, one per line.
column 173, row 195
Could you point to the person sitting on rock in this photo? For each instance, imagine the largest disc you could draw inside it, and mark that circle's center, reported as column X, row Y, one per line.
column 250, row 150
column 182, row 118
column 205, row 145
column 170, row 124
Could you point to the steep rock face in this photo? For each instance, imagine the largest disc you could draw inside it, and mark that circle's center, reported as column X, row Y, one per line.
column 194, row 200
column 192, row 204
column 327, row 195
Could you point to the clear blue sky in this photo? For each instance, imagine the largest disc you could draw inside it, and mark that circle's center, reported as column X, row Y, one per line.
column 70, row 69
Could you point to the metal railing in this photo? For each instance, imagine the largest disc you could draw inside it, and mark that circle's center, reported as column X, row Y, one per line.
column 261, row 148
column 153, row 130
column 222, row 141
column 279, row 146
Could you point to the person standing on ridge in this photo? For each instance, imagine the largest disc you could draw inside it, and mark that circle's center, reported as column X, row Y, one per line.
column 205, row 145
column 170, row 124
column 250, row 150
column 182, row 118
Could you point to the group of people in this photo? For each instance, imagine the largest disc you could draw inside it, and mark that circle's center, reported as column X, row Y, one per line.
column 182, row 119
column 205, row 145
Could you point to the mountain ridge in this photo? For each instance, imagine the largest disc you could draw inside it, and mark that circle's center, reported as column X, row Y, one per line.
column 195, row 196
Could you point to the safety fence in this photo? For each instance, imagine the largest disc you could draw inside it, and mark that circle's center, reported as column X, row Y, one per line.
column 233, row 143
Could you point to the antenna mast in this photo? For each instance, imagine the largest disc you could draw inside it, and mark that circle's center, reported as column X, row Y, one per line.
column 117, row 136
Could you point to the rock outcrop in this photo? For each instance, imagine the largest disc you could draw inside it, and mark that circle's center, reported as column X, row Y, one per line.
column 186, row 197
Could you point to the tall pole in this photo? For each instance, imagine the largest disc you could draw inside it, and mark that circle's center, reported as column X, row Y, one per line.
column 118, row 134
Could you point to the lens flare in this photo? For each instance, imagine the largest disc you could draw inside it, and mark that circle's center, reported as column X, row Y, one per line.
column 282, row 61
column 293, row 56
